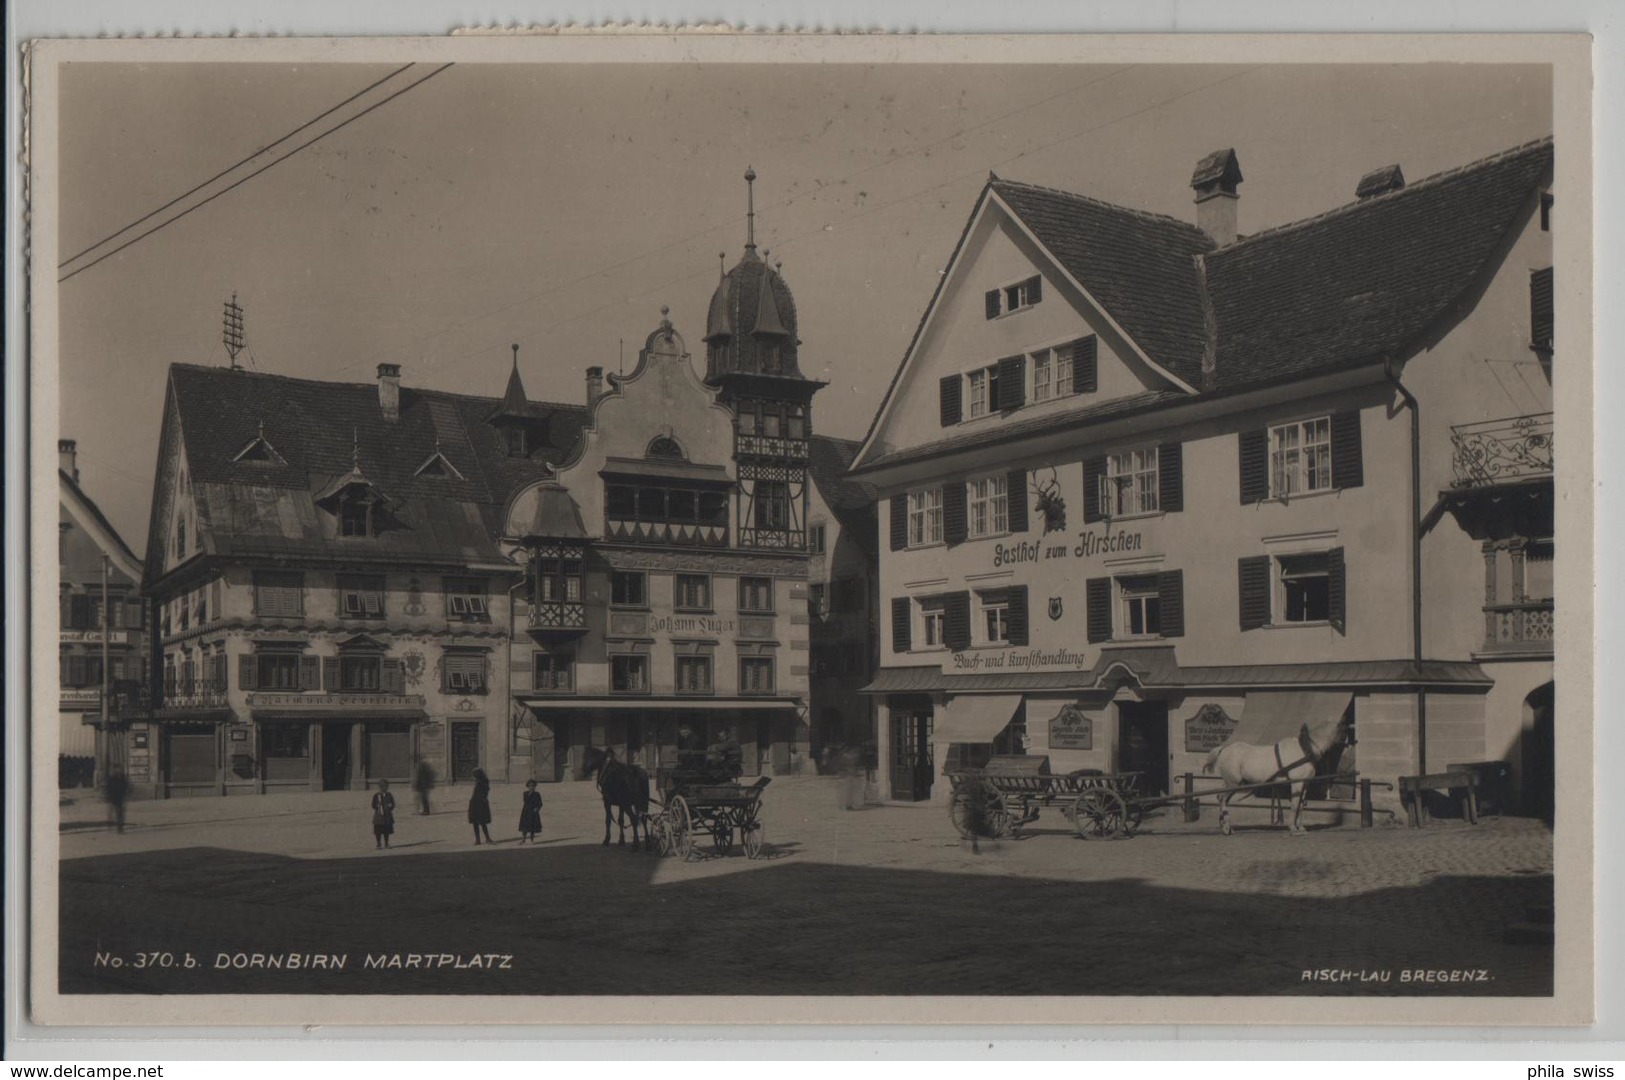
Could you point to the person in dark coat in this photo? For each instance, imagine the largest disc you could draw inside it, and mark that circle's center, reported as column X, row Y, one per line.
column 479, row 806
column 530, row 814
column 117, row 791
column 727, row 758
column 690, row 750
column 423, row 783
column 383, row 815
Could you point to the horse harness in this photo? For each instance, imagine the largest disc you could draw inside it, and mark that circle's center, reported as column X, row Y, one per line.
column 1311, row 754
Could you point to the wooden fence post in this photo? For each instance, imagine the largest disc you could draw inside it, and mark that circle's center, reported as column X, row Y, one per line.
column 1365, row 803
column 1193, row 809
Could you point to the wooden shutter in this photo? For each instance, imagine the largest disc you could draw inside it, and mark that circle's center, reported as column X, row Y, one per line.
column 956, row 621
column 1012, row 382
column 248, row 673
column 899, row 522
column 1348, row 470
column 1253, row 573
column 67, row 611
column 1017, row 614
column 1035, row 290
column 1099, row 595
column 1171, row 602
column 1015, row 499
column 1093, row 470
column 992, row 302
column 902, row 619
column 1171, row 477
column 1336, row 591
column 951, row 389
column 954, row 526
column 330, row 674
column 1541, row 319
column 1255, row 465
column 310, row 673
column 394, row 676
column 1086, row 366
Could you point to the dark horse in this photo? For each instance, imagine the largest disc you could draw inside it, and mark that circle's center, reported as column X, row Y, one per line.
column 625, row 788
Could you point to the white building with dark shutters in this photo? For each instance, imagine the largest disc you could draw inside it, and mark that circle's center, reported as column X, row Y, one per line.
column 1150, row 485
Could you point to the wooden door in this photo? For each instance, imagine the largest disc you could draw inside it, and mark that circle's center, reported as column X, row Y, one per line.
column 1143, row 743
column 465, row 750
column 911, row 755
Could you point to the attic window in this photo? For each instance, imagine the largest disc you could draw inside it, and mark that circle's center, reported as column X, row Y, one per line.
column 438, row 465
column 1013, row 298
column 260, row 451
column 665, row 447
column 355, row 513
column 516, row 442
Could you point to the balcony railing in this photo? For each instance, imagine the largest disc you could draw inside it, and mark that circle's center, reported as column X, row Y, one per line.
column 1518, row 626
column 560, row 615
column 780, row 539
column 194, row 694
column 1496, row 451
column 774, row 446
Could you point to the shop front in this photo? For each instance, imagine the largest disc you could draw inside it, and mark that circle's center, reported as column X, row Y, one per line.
column 328, row 742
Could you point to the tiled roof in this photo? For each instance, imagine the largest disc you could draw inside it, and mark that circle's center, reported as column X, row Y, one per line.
column 1366, row 280
column 1140, row 267
column 828, row 460
column 323, row 430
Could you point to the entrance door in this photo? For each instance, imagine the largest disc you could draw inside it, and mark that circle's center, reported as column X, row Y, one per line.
column 1142, row 743
column 336, row 756
column 911, row 754
column 465, row 750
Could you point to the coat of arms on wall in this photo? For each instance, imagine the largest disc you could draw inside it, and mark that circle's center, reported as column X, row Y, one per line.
column 1050, row 504
column 1055, row 607
column 414, row 664
column 414, row 599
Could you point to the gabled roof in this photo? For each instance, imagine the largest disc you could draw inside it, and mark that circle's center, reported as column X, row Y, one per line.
column 84, row 509
column 828, row 460
column 325, row 432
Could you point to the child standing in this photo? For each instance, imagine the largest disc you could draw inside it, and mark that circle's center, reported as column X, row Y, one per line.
column 530, row 815
column 383, row 815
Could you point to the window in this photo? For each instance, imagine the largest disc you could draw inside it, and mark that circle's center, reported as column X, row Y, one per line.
column 1538, row 577
column 361, row 674
column 277, row 671
column 465, row 599
column 772, row 504
column 558, row 580
column 815, row 539
column 285, row 740
column 755, row 594
column 1052, row 374
column 361, row 597
column 516, row 442
column 1129, row 485
column 629, row 674
column 694, row 592
column 925, row 517
column 984, row 392
column 665, row 503
column 629, row 588
column 1301, row 457
column 555, row 672
column 755, row 674
column 988, row 506
column 795, row 422
column 1012, row 298
column 933, row 613
column 465, row 673
column 1305, row 589
column 1142, row 606
column 355, row 514
column 180, row 540
column 815, row 600
column 995, row 621
column 693, row 674
column 663, row 446
column 279, row 594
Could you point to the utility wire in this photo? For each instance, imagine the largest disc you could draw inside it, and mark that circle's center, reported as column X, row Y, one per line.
column 230, row 168
column 256, row 172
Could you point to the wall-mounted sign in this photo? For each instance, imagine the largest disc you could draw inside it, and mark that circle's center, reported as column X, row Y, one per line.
column 138, row 740
column 114, row 637
column 1071, row 730
column 1090, row 544
column 239, row 735
column 1017, row 660
column 81, row 697
column 358, row 702
column 690, row 624
column 1208, row 729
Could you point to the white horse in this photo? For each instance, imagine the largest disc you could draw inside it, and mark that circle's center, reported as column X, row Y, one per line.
column 1291, row 759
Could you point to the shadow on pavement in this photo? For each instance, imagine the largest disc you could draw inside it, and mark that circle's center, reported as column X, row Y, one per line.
column 580, row 920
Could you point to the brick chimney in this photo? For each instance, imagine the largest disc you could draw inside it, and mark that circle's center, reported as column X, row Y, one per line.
column 67, row 457
column 595, row 385
column 1379, row 182
column 1214, row 182
column 389, row 391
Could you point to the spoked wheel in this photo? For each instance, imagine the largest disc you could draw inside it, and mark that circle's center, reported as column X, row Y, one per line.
column 658, row 835
column 1098, row 814
column 1133, row 814
column 722, row 838
column 978, row 810
column 681, row 825
column 753, row 839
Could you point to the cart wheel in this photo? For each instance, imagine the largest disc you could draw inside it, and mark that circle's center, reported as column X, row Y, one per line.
column 978, row 810
column 1098, row 814
column 682, row 827
column 753, row 840
column 722, row 838
column 660, row 833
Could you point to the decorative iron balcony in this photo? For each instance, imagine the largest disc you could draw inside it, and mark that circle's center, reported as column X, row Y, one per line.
column 194, row 694
column 773, row 446
column 1496, row 451
column 564, row 616
column 1518, row 626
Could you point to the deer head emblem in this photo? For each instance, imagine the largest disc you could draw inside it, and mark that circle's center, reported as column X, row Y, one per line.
column 1050, row 503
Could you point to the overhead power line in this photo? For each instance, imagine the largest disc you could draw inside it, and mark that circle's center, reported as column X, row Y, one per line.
column 268, row 165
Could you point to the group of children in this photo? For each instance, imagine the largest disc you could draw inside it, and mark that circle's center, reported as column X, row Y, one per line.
column 479, row 812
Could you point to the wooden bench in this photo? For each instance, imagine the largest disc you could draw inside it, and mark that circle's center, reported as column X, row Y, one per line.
column 1411, row 788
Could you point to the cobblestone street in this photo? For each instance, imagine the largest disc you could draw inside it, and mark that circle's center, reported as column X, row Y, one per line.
column 880, row 900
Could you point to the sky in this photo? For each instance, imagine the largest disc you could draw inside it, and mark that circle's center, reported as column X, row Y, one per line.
column 560, row 207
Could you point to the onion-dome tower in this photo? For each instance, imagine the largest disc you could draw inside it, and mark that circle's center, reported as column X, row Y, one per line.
column 753, row 359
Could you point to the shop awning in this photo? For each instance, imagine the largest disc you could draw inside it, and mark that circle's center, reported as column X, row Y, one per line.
column 1272, row 715
column 906, row 680
column 974, row 718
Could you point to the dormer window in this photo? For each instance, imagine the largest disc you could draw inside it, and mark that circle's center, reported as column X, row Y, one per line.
column 516, row 442
column 355, row 514
column 665, row 447
column 259, row 451
column 438, row 465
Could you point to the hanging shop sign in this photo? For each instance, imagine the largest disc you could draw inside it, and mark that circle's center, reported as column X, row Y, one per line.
column 1208, row 729
column 1071, row 730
